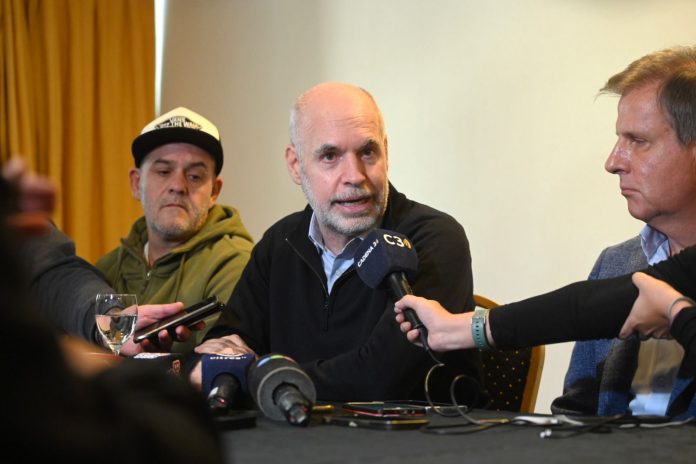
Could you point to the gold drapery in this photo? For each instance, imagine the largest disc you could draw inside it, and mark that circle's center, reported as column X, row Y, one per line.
column 76, row 86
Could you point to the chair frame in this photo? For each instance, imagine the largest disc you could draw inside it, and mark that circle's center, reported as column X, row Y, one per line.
column 536, row 364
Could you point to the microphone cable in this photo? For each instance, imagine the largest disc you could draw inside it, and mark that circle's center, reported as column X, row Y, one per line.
column 429, row 350
column 470, row 425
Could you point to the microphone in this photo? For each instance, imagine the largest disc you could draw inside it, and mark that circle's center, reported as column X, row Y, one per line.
column 223, row 391
column 383, row 259
column 281, row 389
column 223, row 376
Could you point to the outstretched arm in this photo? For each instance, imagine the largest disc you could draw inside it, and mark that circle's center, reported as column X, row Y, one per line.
column 652, row 315
column 550, row 318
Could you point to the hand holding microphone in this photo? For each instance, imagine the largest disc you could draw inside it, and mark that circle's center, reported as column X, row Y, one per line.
column 383, row 259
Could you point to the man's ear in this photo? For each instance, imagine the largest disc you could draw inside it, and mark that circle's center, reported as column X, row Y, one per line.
column 217, row 187
column 134, row 175
column 292, row 161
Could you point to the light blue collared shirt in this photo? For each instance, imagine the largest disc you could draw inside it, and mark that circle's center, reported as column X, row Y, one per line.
column 658, row 360
column 655, row 245
column 334, row 265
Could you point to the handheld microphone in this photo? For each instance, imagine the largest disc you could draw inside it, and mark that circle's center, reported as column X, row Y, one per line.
column 222, row 393
column 223, row 376
column 383, row 259
column 281, row 390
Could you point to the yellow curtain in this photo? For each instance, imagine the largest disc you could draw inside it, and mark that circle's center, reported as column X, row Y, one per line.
column 76, row 86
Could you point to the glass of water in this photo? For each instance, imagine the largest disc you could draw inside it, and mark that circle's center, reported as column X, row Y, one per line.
column 116, row 315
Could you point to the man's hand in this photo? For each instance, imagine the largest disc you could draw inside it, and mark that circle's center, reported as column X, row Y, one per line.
column 648, row 315
column 231, row 344
column 149, row 314
column 35, row 198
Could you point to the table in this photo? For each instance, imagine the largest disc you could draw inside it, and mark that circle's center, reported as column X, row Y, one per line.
column 279, row 442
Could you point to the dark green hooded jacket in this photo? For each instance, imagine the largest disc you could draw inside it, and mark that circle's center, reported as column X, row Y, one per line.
column 210, row 263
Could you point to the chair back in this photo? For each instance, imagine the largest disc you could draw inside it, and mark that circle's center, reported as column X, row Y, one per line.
column 511, row 377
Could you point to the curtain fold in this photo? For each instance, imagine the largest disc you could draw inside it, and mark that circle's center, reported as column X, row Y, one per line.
column 76, row 86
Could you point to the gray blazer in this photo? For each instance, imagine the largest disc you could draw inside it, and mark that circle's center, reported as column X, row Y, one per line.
column 600, row 374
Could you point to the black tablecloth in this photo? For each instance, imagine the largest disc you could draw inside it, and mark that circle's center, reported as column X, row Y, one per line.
column 273, row 441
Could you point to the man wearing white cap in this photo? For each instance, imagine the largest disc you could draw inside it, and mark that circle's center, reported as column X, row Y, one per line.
column 185, row 247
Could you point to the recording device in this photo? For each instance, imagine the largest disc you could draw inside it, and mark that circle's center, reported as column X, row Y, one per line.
column 224, row 380
column 171, row 363
column 281, row 389
column 382, row 260
column 189, row 316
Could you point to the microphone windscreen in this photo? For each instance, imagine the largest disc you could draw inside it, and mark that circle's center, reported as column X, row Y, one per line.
column 269, row 372
column 213, row 364
column 383, row 252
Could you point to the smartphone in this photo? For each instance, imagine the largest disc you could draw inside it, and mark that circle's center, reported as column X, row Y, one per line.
column 443, row 408
column 189, row 316
column 382, row 409
column 356, row 421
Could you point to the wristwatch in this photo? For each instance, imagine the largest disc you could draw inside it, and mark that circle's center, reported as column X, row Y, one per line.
column 478, row 328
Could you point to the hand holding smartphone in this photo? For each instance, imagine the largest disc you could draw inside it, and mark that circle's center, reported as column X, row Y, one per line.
column 189, row 316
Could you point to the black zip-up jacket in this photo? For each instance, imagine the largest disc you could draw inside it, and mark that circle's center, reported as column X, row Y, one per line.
column 348, row 341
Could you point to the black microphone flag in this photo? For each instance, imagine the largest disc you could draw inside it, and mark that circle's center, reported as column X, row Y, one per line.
column 384, row 252
column 223, row 378
column 383, row 259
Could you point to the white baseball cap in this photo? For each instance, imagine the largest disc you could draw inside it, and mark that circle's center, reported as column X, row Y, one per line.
column 180, row 125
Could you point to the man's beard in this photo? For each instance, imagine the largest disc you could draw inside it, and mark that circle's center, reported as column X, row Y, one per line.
column 346, row 226
column 179, row 230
